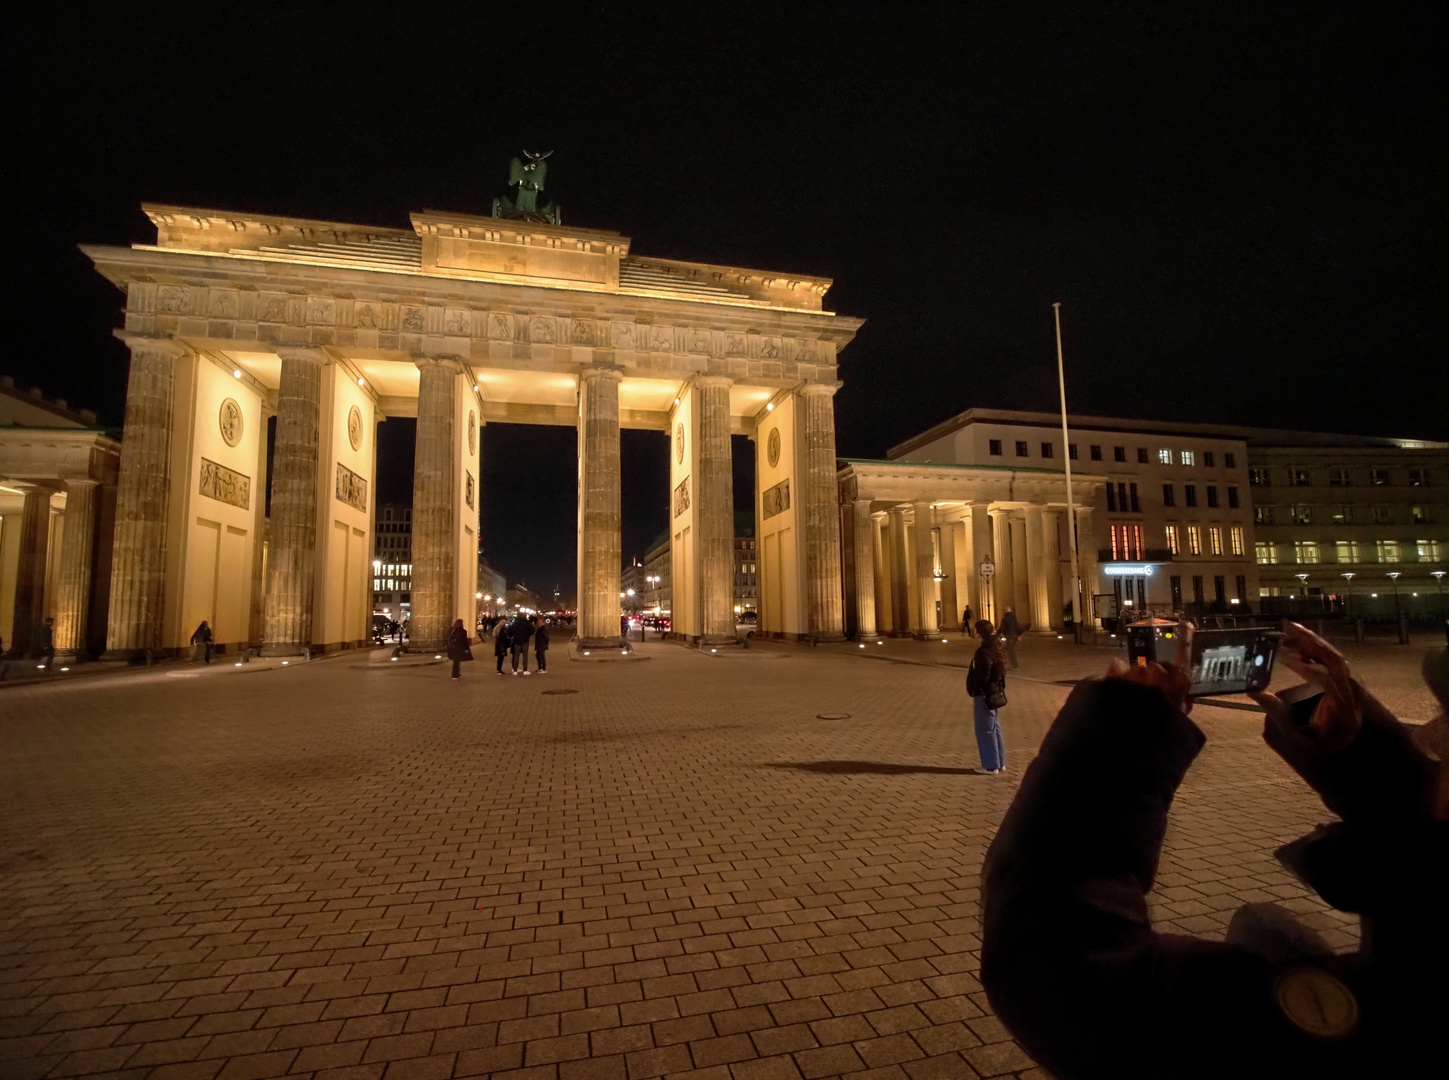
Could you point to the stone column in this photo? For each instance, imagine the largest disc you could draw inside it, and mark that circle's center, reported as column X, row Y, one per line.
column 600, row 544
column 1004, row 583
column 980, row 547
column 257, row 606
column 821, row 515
column 880, row 551
column 292, row 550
column 143, row 495
column 1038, row 570
column 714, row 520
column 864, row 570
column 900, row 572
column 925, row 570
column 1052, row 556
column 435, row 507
column 73, row 602
column 950, row 600
column 1020, row 572
column 1087, row 563
column 30, row 570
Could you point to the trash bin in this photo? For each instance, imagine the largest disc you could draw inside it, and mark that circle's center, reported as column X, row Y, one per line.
column 1151, row 641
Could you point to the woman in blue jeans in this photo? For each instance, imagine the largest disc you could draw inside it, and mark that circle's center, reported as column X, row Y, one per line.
column 986, row 683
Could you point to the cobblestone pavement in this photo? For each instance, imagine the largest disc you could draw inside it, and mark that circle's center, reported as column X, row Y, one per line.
column 356, row 868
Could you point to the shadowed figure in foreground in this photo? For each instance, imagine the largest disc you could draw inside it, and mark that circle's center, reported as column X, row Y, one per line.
column 1072, row 965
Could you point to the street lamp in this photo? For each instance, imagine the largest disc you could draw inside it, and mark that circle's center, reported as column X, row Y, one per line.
column 1398, row 612
column 1302, row 585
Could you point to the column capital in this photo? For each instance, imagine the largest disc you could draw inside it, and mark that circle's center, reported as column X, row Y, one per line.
column 816, row 389
column 445, row 360
column 314, row 353
column 601, row 371
column 717, row 382
column 155, row 344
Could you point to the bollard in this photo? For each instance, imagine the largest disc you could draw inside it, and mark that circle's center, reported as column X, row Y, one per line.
column 1403, row 629
column 1358, row 631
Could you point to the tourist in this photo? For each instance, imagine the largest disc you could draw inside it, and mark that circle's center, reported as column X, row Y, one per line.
column 1010, row 632
column 966, row 621
column 500, row 642
column 1070, row 961
column 986, row 685
column 45, row 644
column 518, row 634
column 458, row 647
column 201, row 641
column 540, row 645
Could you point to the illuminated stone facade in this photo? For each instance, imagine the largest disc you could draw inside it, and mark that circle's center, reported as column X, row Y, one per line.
column 332, row 328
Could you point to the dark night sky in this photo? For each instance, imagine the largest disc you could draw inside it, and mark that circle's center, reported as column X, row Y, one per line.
column 1241, row 211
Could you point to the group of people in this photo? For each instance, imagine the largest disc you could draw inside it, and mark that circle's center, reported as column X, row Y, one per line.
column 511, row 640
column 43, row 648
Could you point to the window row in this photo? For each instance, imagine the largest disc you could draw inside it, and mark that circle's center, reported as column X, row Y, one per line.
column 1220, row 589
column 1337, row 475
column 1189, row 495
column 1307, row 514
column 1119, row 454
column 1346, row 551
column 1193, row 537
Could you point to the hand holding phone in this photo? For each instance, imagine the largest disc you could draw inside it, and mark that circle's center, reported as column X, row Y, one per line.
column 1337, row 715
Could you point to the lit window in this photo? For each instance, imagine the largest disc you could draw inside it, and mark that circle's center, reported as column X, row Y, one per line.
column 1262, row 515
column 1187, row 457
column 1113, row 530
column 1420, row 515
column 1235, row 539
column 1301, row 515
column 1138, row 551
column 1347, row 551
column 1164, row 457
column 1428, row 550
column 1215, row 539
column 1264, row 553
column 1305, row 551
column 1194, row 540
column 1259, row 477
column 1172, row 541
column 1388, row 550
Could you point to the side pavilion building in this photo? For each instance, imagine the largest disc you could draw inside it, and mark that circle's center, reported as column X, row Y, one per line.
column 234, row 318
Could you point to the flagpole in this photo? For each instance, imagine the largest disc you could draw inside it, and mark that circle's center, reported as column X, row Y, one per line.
column 1067, row 459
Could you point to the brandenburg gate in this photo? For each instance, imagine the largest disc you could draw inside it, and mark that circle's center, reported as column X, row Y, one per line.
column 232, row 318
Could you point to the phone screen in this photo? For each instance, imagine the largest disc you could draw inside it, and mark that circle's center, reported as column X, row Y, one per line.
column 1232, row 661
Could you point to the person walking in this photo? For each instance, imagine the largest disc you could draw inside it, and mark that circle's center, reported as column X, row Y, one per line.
column 518, row 634
column 1010, row 633
column 459, row 650
column 45, row 644
column 986, row 685
column 966, row 621
column 540, row 646
column 500, row 642
column 202, row 639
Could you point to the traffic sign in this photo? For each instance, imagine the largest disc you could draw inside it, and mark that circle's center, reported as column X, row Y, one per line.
column 988, row 569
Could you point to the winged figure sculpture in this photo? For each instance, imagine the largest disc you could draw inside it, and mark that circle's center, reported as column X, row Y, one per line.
column 528, row 179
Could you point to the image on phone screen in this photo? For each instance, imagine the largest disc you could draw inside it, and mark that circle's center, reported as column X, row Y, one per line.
column 1231, row 661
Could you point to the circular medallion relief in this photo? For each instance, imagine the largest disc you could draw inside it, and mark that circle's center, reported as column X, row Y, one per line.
column 230, row 421
column 354, row 427
column 472, row 432
column 772, row 448
column 679, row 443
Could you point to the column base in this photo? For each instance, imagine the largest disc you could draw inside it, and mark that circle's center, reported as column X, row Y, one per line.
column 600, row 643
column 133, row 656
column 285, row 648
column 716, row 641
column 833, row 636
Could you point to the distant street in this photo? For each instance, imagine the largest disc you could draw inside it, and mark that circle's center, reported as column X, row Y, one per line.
column 669, row 866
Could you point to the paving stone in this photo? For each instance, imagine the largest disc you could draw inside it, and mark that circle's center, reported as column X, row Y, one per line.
column 356, row 872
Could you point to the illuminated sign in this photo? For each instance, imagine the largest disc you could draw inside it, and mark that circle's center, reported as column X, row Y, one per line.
column 1128, row 570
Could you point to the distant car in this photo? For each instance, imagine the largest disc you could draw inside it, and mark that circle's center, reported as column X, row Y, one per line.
column 747, row 624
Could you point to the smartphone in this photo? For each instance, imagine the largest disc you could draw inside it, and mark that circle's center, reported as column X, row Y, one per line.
column 1234, row 661
column 1302, row 702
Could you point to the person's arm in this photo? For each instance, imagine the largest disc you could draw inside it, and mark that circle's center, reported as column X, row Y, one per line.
column 1069, row 959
